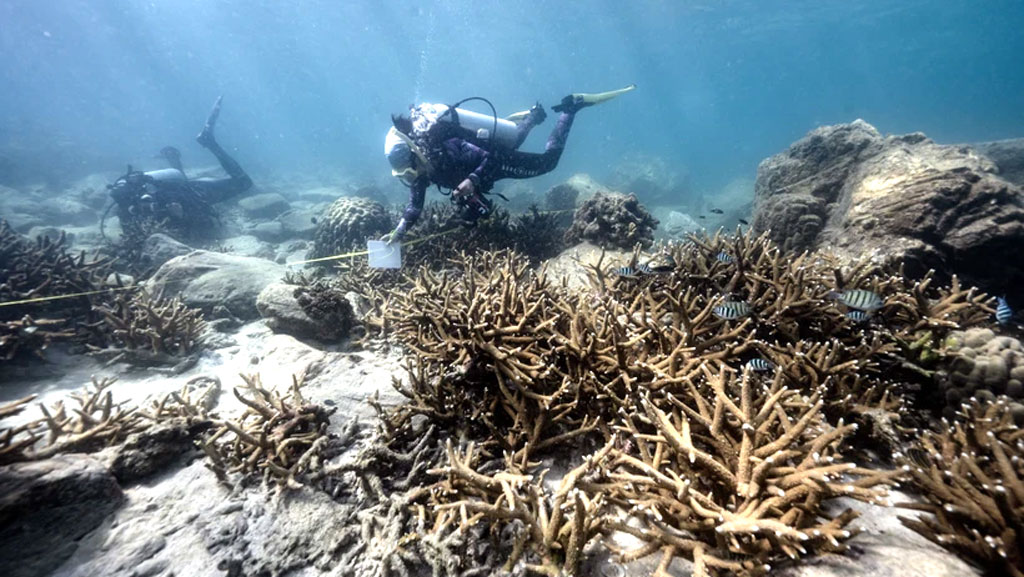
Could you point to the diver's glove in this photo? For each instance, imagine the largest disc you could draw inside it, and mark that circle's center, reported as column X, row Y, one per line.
column 537, row 114
column 396, row 235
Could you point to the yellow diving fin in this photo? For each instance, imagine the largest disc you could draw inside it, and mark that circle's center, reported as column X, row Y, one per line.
column 517, row 117
column 579, row 100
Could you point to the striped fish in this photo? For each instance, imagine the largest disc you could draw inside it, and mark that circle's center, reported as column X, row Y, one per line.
column 1003, row 311
column 724, row 257
column 732, row 310
column 860, row 299
column 759, row 365
column 858, row 316
column 630, row 272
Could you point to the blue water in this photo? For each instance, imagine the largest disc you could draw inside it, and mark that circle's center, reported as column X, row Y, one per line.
column 309, row 85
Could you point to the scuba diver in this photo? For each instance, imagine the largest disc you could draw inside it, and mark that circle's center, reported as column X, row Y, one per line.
column 467, row 152
column 172, row 200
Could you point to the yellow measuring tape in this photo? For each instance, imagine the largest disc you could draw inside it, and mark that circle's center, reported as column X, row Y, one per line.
column 68, row 296
column 322, row 259
column 366, row 252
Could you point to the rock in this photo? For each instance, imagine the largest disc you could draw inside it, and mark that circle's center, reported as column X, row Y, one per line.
column 895, row 199
column 298, row 224
column 612, row 220
column 1008, row 155
column 152, row 450
column 650, row 178
column 47, row 506
column 66, row 211
column 206, row 279
column 268, row 231
column 675, row 224
column 281, row 311
column 267, row 205
column 321, row 194
column 288, row 308
column 248, row 245
column 573, row 262
column 160, row 248
column 571, row 193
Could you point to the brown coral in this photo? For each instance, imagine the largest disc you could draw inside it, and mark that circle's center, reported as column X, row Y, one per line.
column 346, row 224
column 612, row 220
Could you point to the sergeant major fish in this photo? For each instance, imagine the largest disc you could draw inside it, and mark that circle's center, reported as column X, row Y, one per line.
column 860, row 299
column 1003, row 311
column 731, row 310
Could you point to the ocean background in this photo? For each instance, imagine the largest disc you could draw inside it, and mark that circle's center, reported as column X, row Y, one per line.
column 92, row 85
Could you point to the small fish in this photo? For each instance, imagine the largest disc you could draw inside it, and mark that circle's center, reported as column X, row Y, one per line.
column 732, row 310
column 858, row 316
column 859, row 299
column 630, row 272
column 1003, row 311
column 312, row 219
column 743, row 221
column 724, row 257
column 759, row 365
column 716, row 211
column 702, row 216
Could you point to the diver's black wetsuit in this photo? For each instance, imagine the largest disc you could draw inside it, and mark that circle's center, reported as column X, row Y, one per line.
column 169, row 197
column 458, row 159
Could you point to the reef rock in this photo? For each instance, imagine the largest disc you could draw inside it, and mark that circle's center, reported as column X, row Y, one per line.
column 150, row 451
column 266, row 205
column 1008, row 155
column 298, row 224
column 316, row 311
column 612, row 220
column 348, row 223
column 160, row 248
column 46, row 507
column 206, row 280
column 650, row 178
column 895, row 199
column 571, row 193
column 572, row 264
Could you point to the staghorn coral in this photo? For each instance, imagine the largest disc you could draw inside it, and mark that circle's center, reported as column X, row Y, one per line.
column 146, row 330
column 95, row 423
column 280, row 438
column 972, row 478
column 736, row 479
column 517, row 367
column 40, row 269
column 612, row 220
column 346, row 224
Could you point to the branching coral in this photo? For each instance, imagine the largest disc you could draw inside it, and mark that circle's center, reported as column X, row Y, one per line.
column 278, row 437
column 43, row 268
column 95, row 423
column 971, row 474
column 148, row 330
column 735, row 480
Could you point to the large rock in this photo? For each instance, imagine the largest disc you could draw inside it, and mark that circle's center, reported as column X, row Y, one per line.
column 266, row 205
column 298, row 224
column 1008, row 156
column 209, row 279
column 316, row 311
column 160, row 248
column 46, row 507
column 281, row 311
column 68, row 211
column 573, row 263
column 895, row 199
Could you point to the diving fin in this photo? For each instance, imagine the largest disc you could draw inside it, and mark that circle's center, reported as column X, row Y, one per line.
column 574, row 102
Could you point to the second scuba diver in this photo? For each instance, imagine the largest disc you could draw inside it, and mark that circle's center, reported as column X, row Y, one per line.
column 173, row 200
column 468, row 152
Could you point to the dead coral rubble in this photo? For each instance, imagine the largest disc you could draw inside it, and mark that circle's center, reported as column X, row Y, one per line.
column 971, row 473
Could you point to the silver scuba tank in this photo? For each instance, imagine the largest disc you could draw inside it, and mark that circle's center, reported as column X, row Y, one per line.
column 166, row 175
column 506, row 134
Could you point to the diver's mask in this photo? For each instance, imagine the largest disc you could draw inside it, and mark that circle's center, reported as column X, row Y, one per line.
column 408, row 161
column 128, row 188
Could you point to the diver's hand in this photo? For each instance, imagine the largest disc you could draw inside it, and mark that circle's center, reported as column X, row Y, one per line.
column 465, row 189
column 396, row 235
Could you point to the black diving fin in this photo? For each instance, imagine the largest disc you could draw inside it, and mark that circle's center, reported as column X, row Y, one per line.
column 579, row 100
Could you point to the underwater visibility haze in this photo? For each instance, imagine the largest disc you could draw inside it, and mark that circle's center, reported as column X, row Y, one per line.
column 92, row 85
column 732, row 288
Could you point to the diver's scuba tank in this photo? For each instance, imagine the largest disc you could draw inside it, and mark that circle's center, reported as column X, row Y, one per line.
column 490, row 131
column 166, row 175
